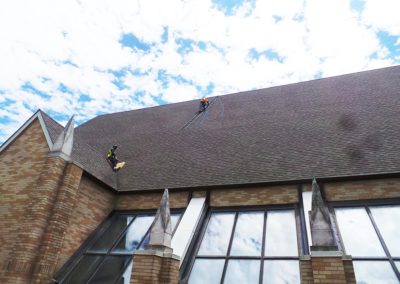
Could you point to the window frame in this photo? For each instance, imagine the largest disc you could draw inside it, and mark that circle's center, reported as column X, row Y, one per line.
column 301, row 237
column 366, row 204
column 83, row 250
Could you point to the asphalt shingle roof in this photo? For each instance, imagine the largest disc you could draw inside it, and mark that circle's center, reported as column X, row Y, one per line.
column 339, row 126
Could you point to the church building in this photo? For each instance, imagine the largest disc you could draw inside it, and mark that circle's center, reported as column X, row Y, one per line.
column 290, row 184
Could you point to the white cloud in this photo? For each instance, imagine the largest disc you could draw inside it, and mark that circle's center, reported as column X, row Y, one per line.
column 76, row 44
column 383, row 14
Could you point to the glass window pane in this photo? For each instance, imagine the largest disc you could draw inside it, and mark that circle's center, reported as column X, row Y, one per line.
column 174, row 221
column 110, row 236
column 110, row 269
column 397, row 265
column 387, row 219
column 306, row 208
column 126, row 277
column 242, row 271
column 134, row 234
column 281, row 271
column 374, row 272
column 281, row 237
column 216, row 238
column 84, row 269
column 207, row 271
column 247, row 239
column 357, row 232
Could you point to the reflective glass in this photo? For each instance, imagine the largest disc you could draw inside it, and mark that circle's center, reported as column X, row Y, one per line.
column 84, row 269
column 281, row 271
column 242, row 271
column 374, row 272
column 357, row 232
column 387, row 219
column 134, row 234
column 216, row 238
column 307, row 207
column 281, row 237
column 397, row 265
column 108, row 238
column 207, row 271
column 110, row 269
column 126, row 277
column 247, row 239
column 174, row 221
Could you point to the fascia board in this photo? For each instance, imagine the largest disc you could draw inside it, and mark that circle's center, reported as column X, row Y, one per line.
column 37, row 115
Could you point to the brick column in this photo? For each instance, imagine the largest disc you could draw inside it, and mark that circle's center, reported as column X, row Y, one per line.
column 155, row 267
column 54, row 178
column 328, row 270
column 53, row 238
column 327, row 267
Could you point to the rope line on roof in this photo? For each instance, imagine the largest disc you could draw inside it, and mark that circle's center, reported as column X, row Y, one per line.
column 198, row 114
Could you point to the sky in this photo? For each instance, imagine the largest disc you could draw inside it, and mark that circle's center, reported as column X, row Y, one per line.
column 90, row 57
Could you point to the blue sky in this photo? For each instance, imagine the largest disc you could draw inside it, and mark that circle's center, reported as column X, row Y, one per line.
column 93, row 57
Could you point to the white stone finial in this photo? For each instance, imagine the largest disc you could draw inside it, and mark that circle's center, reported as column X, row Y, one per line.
column 320, row 223
column 161, row 231
column 64, row 143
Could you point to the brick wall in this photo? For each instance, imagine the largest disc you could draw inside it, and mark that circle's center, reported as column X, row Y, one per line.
column 254, row 196
column 328, row 270
column 93, row 206
column 150, row 200
column 20, row 166
column 306, row 272
column 361, row 190
column 154, row 269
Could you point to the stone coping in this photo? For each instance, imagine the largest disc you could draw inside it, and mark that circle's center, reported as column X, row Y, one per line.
column 157, row 253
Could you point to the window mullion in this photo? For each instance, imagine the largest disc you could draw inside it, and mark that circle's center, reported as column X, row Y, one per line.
column 385, row 248
column 303, row 227
column 229, row 247
column 263, row 249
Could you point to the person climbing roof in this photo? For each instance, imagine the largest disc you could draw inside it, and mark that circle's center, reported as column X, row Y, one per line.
column 113, row 160
column 204, row 103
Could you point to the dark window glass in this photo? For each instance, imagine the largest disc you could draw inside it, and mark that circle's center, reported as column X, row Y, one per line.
column 238, row 245
column 110, row 269
column 134, row 235
column 109, row 258
column 104, row 243
column 84, row 269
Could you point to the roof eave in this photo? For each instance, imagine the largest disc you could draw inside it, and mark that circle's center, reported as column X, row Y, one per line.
column 38, row 115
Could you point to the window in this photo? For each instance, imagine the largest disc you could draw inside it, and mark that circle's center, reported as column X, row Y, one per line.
column 107, row 257
column 371, row 235
column 252, row 246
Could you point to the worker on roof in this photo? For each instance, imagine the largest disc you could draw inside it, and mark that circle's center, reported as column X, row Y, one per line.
column 204, row 103
column 112, row 159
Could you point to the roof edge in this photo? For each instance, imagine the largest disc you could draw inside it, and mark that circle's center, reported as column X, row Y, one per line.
column 38, row 115
column 270, row 183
